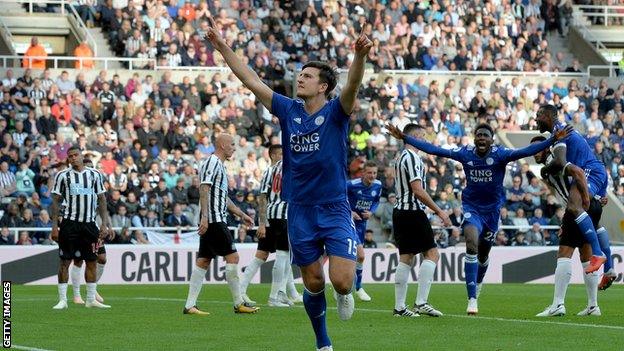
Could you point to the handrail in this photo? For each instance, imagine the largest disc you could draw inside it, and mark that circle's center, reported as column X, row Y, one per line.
column 489, row 73
column 83, row 27
column 606, row 12
column 37, row 2
column 56, row 59
column 8, row 37
column 612, row 69
column 580, row 23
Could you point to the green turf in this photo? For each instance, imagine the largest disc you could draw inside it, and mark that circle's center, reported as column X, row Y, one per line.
column 150, row 318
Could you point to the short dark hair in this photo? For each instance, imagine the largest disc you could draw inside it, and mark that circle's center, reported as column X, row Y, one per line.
column 411, row 127
column 327, row 74
column 538, row 138
column 550, row 109
column 72, row 148
column 273, row 148
column 486, row 126
column 370, row 164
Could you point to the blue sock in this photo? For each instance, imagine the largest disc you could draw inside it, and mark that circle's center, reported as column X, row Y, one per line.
column 358, row 275
column 603, row 239
column 482, row 269
column 471, row 266
column 586, row 225
column 316, row 306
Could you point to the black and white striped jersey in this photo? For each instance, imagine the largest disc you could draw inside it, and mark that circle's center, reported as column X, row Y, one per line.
column 79, row 191
column 409, row 167
column 561, row 183
column 272, row 186
column 213, row 173
column 6, row 179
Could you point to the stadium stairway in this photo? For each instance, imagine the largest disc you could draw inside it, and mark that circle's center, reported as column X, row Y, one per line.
column 558, row 44
column 103, row 49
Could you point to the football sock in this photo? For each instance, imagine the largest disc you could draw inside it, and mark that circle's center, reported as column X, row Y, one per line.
column 279, row 269
column 91, row 288
column 316, row 306
column 483, row 266
column 358, row 275
column 291, row 289
column 62, row 291
column 591, row 286
column 563, row 273
column 195, row 285
column 586, row 226
column 74, row 276
column 400, row 285
column 249, row 273
column 471, row 266
column 99, row 271
column 231, row 276
column 425, row 277
column 603, row 239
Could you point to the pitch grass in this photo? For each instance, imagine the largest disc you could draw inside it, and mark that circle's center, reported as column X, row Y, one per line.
column 149, row 317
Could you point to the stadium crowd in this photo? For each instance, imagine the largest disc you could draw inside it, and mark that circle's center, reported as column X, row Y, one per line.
column 149, row 136
column 277, row 37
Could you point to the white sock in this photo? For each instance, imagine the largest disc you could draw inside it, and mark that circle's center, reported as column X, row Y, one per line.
column 62, row 291
column 231, row 275
column 279, row 268
column 289, row 282
column 195, row 285
column 425, row 277
column 400, row 285
column 74, row 276
column 249, row 273
column 563, row 273
column 99, row 271
column 591, row 285
column 91, row 288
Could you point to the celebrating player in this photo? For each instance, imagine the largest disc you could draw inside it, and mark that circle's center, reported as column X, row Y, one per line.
column 76, row 269
column 273, row 237
column 364, row 194
column 568, row 183
column 82, row 190
column 215, row 238
column 314, row 134
column 574, row 149
column 412, row 229
column 484, row 195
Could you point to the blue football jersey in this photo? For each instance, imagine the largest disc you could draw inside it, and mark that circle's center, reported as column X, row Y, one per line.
column 363, row 198
column 315, row 151
column 578, row 152
column 484, row 175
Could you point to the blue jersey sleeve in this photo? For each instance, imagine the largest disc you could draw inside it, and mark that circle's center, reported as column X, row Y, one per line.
column 431, row 149
column 281, row 105
column 351, row 195
column 515, row 154
column 376, row 199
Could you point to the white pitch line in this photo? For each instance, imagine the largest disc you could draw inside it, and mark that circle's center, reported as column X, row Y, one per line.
column 19, row 347
column 498, row 319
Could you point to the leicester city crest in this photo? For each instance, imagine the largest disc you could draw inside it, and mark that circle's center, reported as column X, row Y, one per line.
column 319, row 120
column 489, row 161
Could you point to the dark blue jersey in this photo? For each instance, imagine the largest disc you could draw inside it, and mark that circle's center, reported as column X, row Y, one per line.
column 363, row 198
column 315, row 151
column 484, row 190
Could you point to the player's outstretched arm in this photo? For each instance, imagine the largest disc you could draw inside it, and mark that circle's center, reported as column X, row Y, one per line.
column 534, row 148
column 420, row 144
column 246, row 75
column 581, row 182
column 356, row 73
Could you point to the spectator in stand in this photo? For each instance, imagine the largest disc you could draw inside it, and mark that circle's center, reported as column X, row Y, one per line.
column 35, row 55
column 85, row 56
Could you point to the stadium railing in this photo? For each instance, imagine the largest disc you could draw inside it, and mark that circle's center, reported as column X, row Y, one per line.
column 179, row 230
column 606, row 12
column 6, row 35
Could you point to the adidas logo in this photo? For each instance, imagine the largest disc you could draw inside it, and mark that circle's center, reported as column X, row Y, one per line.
column 298, row 120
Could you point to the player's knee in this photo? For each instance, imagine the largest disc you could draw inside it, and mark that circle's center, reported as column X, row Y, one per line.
column 432, row 255
column 202, row 263
column 567, row 251
column 78, row 263
column 574, row 209
column 101, row 259
column 471, row 248
column 343, row 287
column 232, row 258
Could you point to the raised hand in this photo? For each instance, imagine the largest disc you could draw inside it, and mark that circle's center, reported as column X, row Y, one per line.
column 213, row 35
column 562, row 133
column 395, row 131
column 363, row 44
